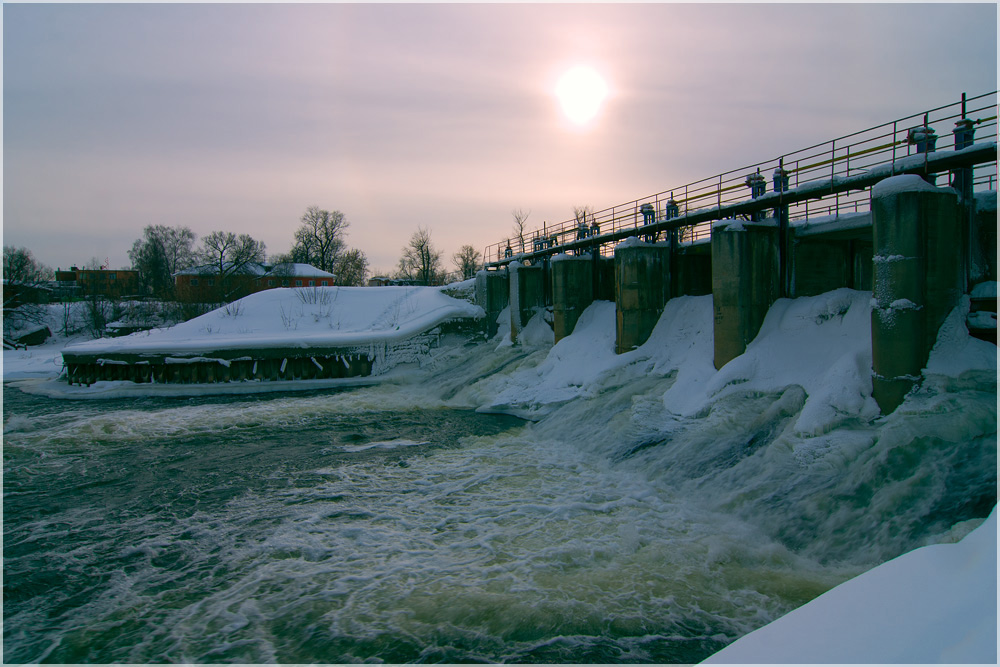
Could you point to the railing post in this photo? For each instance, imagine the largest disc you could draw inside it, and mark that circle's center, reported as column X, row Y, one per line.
column 894, row 141
column 925, row 140
column 833, row 177
column 780, row 181
column 758, row 186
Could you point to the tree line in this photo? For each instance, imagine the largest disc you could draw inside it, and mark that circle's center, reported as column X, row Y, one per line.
column 320, row 241
column 421, row 262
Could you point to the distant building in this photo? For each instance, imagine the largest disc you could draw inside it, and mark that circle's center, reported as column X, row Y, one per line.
column 111, row 283
column 203, row 284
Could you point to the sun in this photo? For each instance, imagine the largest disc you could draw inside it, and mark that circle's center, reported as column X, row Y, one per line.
column 581, row 91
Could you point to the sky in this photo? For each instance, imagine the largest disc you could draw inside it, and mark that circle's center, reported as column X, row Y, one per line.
column 237, row 117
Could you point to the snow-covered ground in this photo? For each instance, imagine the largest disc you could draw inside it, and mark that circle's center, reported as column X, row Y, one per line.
column 934, row 604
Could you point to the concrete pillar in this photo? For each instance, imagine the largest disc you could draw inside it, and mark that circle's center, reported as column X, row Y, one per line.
column 918, row 279
column 745, row 282
column 572, row 291
column 492, row 295
column 527, row 295
column 642, row 288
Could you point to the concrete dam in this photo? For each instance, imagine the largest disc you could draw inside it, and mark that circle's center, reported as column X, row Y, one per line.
column 890, row 229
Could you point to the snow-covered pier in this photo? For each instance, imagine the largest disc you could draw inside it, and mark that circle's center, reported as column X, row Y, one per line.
column 322, row 333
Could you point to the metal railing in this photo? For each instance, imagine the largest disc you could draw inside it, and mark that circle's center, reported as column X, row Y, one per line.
column 842, row 159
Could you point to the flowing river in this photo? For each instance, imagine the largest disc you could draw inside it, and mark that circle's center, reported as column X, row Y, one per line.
column 390, row 524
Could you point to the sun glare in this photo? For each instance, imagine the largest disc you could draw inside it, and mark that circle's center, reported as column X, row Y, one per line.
column 581, row 91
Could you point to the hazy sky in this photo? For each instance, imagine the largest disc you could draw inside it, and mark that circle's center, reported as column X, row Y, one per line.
column 238, row 117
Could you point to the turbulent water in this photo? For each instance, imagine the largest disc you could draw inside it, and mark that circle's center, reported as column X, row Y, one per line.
column 392, row 524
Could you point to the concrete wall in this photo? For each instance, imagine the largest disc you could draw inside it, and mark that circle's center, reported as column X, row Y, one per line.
column 604, row 279
column 823, row 263
column 691, row 270
column 984, row 238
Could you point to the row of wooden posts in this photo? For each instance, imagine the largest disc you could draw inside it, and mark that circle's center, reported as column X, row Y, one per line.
column 199, row 370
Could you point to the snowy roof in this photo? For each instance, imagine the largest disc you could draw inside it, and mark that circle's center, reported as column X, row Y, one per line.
column 290, row 270
column 296, row 270
column 253, row 269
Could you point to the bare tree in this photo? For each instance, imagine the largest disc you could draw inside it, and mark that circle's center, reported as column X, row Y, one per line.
column 466, row 261
column 159, row 254
column 22, row 275
column 420, row 261
column 352, row 268
column 229, row 255
column 520, row 223
column 319, row 241
column 20, row 266
column 582, row 214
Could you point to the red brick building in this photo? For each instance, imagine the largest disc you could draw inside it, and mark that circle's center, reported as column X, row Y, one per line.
column 203, row 284
column 111, row 283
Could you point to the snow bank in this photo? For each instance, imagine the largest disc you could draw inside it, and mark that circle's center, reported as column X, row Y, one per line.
column 581, row 364
column 934, row 604
column 44, row 361
column 956, row 352
column 569, row 370
column 822, row 344
column 304, row 317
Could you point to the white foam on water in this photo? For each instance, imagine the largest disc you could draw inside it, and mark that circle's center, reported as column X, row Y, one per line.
column 500, row 542
column 386, row 444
